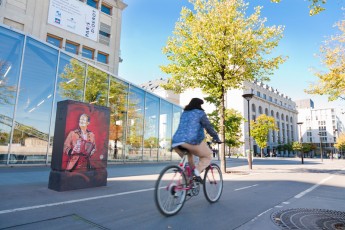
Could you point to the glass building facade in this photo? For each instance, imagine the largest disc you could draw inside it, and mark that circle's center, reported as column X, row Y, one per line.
column 35, row 75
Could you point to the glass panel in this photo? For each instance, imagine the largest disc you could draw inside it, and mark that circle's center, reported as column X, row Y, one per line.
column 35, row 102
column 97, row 84
column 54, row 41
column 177, row 111
column 135, row 124
column 105, row 34
column 70, row 85
column 102, row 58
column 165, row 129
column 151, row 127
column 87, row 53
column 71, row 79
column 11, row 47
column 118, row 116
column 106, row 9
column 92, row 3
column 72, row 48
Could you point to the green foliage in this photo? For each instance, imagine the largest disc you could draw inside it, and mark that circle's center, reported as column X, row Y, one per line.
column 151, row 142
column 260, row 129
column 315, row 6
column 331, row 82
column 7, row 92
column 216, row 47
column 296, row 146
column 72, row 84
column 307, row 147
column 340, row 145
column 96, row 86
column 4, row 138
column 232, row 126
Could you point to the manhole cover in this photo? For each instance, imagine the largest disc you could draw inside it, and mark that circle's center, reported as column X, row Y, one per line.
column 309, row 219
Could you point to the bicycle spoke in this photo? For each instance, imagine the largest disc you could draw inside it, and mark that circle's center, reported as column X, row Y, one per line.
column 170, row 191
column 213, row 183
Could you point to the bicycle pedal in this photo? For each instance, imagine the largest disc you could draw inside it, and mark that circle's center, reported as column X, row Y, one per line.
column 198, row 179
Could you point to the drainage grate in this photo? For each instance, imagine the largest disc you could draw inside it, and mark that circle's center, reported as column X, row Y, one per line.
column 303, row 218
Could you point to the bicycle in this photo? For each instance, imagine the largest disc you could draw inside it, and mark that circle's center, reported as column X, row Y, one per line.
column 176, row 182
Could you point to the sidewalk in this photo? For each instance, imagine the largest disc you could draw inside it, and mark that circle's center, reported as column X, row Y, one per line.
column 307, row 210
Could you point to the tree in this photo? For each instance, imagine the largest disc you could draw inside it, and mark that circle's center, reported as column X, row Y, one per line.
column 7, row 92
column 315, row 6
column 232, row 126
column 307, row 147
column 73, row 77
column 260, row 130
column 340, row 145
column 215, row 47
column 296, row 146
column 331, row 82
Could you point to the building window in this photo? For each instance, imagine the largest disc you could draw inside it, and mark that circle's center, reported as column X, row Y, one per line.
column 54, row 40
column 88, row 52
column 102, row 57
column 258, row 94
column 92, row 3
column 104, row 34
column 72, row 47
column 105, row 8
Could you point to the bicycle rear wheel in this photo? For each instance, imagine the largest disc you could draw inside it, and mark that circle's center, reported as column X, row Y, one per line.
column 170, row 190
column 213, row 183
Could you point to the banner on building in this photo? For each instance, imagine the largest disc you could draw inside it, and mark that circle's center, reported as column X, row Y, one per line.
column 74, row 16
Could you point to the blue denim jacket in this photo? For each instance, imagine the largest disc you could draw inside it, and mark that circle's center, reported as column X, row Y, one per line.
column 191, row 128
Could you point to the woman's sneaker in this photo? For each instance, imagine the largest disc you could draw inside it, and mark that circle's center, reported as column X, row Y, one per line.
column 196, row 176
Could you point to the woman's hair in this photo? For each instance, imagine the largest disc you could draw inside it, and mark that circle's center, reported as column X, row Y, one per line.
column 195, row 103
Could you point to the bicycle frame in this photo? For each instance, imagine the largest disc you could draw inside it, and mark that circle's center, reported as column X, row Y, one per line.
column 182, row 165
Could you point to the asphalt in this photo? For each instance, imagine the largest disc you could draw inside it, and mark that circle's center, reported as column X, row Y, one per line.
column 21, row 181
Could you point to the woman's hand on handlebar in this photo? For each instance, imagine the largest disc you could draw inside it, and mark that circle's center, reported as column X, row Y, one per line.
column 217, row 141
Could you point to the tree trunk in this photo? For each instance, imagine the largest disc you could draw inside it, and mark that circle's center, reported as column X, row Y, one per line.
column 262, row 152
column 222, row 132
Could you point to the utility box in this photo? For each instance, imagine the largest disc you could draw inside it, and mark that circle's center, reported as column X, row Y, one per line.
column 80, row 147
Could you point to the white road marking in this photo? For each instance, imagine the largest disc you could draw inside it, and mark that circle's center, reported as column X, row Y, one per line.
column 313, row 187
column 73, row 201
column 246, row 187
column 255, row 218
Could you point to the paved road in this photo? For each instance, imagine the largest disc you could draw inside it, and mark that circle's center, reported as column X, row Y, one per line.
column 252, row 199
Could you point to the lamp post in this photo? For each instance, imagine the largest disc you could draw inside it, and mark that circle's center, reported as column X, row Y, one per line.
column 300, row 140
column 335, row 138
column 321, row 146
column 249, row 96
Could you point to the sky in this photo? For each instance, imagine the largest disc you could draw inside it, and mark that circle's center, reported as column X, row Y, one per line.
column 147, row 24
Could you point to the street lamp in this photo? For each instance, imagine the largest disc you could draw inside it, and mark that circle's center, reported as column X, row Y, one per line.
column 300, row 140
column 321, row 146
column 249, row 96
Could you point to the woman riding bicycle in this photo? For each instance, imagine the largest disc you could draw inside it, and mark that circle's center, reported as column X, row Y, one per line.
column 190, row 135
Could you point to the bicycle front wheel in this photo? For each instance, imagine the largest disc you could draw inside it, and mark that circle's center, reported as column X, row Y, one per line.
column 170, row 190
column 213, row 183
